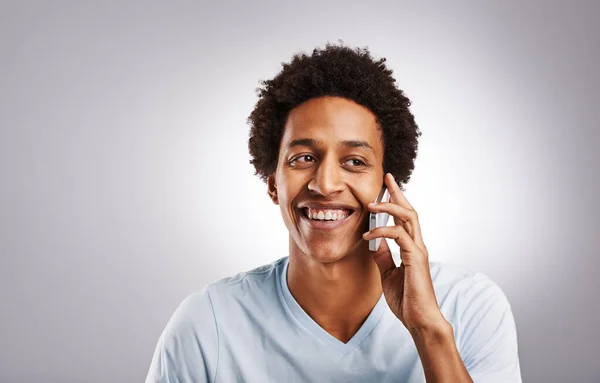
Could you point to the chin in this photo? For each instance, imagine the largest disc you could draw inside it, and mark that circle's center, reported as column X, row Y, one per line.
column 327, row 254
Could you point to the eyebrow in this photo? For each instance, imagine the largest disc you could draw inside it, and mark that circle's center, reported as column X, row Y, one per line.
column 347, row 143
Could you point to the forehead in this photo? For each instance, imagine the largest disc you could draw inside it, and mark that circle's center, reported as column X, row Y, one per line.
column 331, row 119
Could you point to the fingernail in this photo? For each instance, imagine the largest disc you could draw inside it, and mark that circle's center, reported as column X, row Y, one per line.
column 372, row 203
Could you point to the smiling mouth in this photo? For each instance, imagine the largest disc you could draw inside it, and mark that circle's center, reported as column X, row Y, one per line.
column 326, row 214
column 325, row 222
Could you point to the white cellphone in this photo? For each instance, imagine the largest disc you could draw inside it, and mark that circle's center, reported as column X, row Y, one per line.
column 378, row 219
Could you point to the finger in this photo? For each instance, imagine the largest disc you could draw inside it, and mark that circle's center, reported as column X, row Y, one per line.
column 402, row 238
column 395, row 192
column 401, row 200
column 402, row 216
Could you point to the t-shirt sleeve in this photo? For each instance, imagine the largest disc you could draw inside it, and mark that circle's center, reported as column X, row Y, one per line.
column 488, row 337
column 187, row 350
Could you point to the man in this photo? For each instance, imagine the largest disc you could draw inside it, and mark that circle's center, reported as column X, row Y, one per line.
column 328, row 132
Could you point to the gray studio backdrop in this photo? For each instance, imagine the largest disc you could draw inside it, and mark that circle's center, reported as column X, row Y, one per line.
column 123, row 134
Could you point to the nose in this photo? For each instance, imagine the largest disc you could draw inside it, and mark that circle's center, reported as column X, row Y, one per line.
column 328, row 177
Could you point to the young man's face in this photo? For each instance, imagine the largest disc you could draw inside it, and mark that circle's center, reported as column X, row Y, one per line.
column 330, row 165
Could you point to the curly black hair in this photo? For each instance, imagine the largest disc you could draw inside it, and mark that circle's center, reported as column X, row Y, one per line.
column 339, row 71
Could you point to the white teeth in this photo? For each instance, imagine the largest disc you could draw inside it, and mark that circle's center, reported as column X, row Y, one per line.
column 326, row 215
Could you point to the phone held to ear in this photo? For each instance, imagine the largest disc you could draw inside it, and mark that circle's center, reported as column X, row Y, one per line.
column 378, row 219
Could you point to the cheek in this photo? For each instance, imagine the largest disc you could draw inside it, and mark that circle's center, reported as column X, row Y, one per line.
column 286, row 206
column 365, row 194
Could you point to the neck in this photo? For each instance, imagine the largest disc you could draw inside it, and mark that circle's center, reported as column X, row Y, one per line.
column 339, row 295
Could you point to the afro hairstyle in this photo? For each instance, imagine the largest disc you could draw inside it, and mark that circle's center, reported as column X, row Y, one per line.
column 339, row 71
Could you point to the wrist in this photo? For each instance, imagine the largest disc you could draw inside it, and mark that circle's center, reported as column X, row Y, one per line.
column 437, row 332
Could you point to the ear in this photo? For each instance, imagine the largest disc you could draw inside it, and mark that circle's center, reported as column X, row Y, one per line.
column 272, row 189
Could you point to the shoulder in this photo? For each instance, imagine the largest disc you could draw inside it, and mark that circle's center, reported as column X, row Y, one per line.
column 483, row 322
column 189, row 343
column 463, row 284
column 471, row 300
column 201, row 303
column 261, row 279
column 256, row 274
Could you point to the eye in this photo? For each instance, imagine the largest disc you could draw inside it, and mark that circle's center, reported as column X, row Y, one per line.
column 356, row 162
column 305, row 156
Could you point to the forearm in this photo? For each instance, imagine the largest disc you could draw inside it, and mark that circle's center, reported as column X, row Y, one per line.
column 440, row 358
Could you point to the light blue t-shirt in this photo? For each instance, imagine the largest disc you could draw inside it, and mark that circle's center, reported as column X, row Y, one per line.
column 249, row 328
